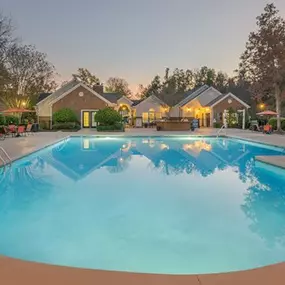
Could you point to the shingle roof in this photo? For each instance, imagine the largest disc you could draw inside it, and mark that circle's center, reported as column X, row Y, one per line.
column 62, row 90
column 112, row 97
column 136, row 102
column 215, row 100
column 192, row 94
column 42, row 96
column 173, row 99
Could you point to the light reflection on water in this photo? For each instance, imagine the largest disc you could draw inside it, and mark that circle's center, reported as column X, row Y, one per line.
column 160, row 205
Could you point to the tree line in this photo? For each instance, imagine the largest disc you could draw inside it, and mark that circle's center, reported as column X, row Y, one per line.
column 260, row 77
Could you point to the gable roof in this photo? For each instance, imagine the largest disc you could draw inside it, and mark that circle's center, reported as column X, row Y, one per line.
column 172, row 99
column 42, row 96
column 155, row 98
column 68, row 88
column 136, row 102
column 215, row 100
column 229, row 95
column 112, row 97
column 60, row 91
column 127, row 99
column 192, row 94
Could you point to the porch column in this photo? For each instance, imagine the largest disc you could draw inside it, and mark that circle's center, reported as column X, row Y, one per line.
column 211, row 117
column 243, row 119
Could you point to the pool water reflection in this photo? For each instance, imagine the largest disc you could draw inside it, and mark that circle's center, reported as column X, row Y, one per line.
column 156, row 205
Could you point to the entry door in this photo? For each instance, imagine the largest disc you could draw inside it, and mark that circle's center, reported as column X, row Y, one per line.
column 93, row 122
column 86, row 119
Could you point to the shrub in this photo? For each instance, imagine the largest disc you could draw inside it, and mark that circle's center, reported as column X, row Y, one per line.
column 273, row 123
column 66, row 126
column 64, row 115
column 115, row 127
column 231, row 118
column 108, row 117
column 30, row 117
column 218, row 125
column 12, row 120
column 2, row 120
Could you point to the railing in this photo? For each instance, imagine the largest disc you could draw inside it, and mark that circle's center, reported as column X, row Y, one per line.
column 4, row 157
column 221, row 129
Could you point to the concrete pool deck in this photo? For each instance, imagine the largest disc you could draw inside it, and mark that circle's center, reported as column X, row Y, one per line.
column 16, row 272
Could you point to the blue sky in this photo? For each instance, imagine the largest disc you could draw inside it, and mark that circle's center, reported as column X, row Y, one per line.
column 136, row 39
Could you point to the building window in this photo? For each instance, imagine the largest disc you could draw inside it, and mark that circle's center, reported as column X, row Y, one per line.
column 145, row 117
column 151, row 116
column 158, row 116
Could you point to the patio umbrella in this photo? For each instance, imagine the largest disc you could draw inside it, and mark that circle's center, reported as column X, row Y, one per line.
column 267, row 113
column 17, row 110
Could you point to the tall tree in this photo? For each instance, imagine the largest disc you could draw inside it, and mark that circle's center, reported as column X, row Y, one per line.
column 204, row 75
column 5, row 35
column 5, row 41
column 141, row 91
column 84, row 75
column 263, row 62
column 154, row 88
column 221, row 82
column 118, row 85
column 28, row 74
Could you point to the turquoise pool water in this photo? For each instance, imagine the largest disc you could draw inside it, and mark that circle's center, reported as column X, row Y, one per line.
column 156, row 205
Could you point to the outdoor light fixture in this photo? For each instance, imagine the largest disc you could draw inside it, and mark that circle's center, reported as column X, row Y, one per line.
column 189, row 109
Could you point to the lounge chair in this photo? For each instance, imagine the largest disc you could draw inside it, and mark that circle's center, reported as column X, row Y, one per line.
column 21, row 130
column 254, row 126
column 12, row 130
column 29, row 129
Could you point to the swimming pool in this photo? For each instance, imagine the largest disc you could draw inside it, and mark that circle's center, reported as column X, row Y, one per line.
column 178, row 205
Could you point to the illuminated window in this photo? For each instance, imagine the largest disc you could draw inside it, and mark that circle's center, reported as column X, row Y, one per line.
column 151, row 116
column 86, row 119
column 145, row 117
column 158, row 116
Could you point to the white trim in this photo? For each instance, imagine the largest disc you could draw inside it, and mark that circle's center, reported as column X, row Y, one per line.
column 230, row 95
column 186, row 100
column 49, row 96
column 153, row 97
column 86, row 110
column 84, row 86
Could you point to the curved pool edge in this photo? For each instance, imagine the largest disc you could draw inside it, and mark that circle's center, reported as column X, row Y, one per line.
column 16, row 272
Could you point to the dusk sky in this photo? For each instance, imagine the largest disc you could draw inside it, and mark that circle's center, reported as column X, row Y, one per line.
column 136, row 39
